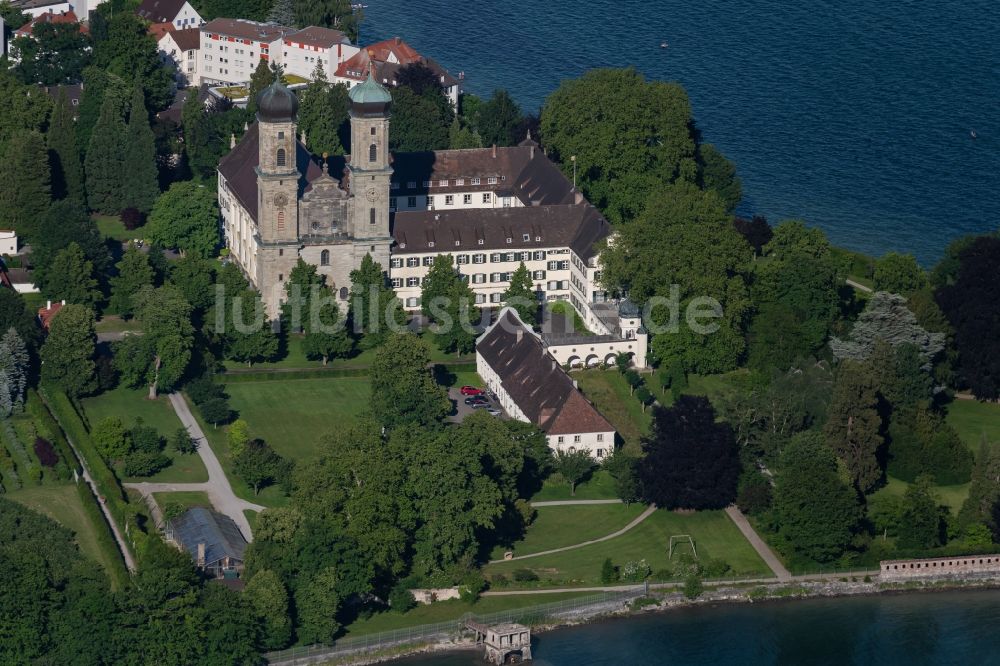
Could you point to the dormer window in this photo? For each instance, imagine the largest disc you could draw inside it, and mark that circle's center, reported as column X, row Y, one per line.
column 526, row 237
column 430, row 243
column 509, row 241
column 481, row 242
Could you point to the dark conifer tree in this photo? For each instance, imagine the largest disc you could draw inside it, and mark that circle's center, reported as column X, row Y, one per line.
column 104, row 160
column 64, row 158
column 139, row 180
column 25, row 191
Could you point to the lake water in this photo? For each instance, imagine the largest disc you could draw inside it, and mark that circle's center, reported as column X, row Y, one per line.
column 901, row 630
column 854, row 115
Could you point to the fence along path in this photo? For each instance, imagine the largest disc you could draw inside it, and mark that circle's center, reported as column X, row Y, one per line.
column 451, row 629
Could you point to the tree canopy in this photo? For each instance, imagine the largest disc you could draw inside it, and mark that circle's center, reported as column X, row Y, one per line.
column 186, row 217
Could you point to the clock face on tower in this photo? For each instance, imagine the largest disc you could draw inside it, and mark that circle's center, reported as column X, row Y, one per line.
column 280, row 200
column 372, row 194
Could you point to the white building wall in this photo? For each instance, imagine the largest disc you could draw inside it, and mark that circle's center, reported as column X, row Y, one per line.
column 597, row 444
column 488, row 272
column 589, row 354
column 301, row 59
column 185, row 63
column 187, row 17
column 232, row 61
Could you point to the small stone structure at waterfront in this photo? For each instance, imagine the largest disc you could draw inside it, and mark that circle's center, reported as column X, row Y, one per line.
column 505, row 643
column 965, row 565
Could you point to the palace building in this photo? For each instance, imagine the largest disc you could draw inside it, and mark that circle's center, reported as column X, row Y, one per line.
column 490, row 208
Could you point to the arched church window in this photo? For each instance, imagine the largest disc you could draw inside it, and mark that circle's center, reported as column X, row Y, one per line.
column 280, row 159
column 324, row 258
column 343, row 293
column 372, row 153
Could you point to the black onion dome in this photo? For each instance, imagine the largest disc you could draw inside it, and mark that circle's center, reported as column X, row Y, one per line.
column 277, row 104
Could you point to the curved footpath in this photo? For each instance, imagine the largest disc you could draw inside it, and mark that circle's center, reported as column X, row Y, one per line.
column 219, row 492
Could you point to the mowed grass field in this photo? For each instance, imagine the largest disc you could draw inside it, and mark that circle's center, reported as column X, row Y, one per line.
column 714, row 534
column 609, row 392
column 293, row 415
column 973, row 420
column 62, row 504
column 599, row 486
column 558, row 526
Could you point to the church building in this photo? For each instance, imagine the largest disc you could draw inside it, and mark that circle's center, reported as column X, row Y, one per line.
column 490, row 208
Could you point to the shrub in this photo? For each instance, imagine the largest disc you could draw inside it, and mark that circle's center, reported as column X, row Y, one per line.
column 471, row 586
column 107, row 375
column 715, row 568
column 608, row 573
column 401, row 599
column 693, row 587
column 216, row 410
column 182, row 442
column 527, row 512
column 204, row 388
column 643, row 395
column 35, row 474
column 46, row 454
column 633, row 380
column 636, row 570
column 525, row 575
column 145, row 463
column 110, row 438
column 132, row 218
column 146, row 439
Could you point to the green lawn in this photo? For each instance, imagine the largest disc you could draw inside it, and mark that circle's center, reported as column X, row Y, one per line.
column 292, row 415
column 62, row 504
column 713, row 386
column 599, row 486
column 950, row 496
column 558, row 526
column 609, row 392
column 110, row 226
column 443, row 611
column 714, row 534
column 115, row 324
column 185, row 498
column 973, row 419
column 130, row 405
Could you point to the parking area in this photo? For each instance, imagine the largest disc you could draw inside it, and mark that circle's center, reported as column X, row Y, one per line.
column 462, row 410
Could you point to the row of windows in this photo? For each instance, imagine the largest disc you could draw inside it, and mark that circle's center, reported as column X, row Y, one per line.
column 494, row 258
column 475, row 278
column 576, row 439
column 457, row 182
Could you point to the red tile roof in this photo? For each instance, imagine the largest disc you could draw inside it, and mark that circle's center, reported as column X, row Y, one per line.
column 317, row 36
column 535, row 381
column 46, row 314
column 50, row 17
column 388, row 57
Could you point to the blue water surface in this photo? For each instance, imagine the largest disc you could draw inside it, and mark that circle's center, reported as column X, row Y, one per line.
column 899, row 630
column 854, row 115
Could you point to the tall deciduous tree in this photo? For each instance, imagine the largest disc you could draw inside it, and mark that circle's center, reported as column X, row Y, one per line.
column 691, row 461
column 64, row 158
column 756, row 231
column 498, row 119
column 25, row 183
column 70, row 277
column 69, row 350
column 629, row 136
column 269, row 599
column 141, row 187
column 717, row 173
column 685, row 238
column 130, row 53
column 248, row 336
column 971, row 306
column 374, row 306
column 322, row 114
column 134, row 273
column 984, row 491
column 316, row 603
column 853, row 427
column 23, row 108
column 186, row 217
column 420, row 122
column 64, row 223
column 899, row 274
column 105, row 175
column 521, row 295
column 815, row 511
column 573, row 466
column 458, row 334
column 53, row 53
column 403, row 389
column 336, row 14
column 193, row 276
column 158, row 357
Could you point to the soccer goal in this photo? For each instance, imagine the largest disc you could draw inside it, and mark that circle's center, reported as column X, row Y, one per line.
column 681, row 539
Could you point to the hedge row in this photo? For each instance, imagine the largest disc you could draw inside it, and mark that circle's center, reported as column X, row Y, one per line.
column 317, row 373
column 36, row 409
column 105, row 540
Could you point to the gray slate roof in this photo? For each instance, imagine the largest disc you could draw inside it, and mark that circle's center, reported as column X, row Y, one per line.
column 221, row 536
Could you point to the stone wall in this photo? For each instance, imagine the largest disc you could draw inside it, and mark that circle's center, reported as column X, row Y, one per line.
column 430, row 595
column 939, row 566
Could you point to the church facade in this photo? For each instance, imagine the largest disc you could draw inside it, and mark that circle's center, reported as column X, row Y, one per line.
column 490, row 208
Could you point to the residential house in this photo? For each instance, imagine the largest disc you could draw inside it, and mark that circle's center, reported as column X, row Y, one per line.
column 232, row 48
column 302, row 51
column 531, row 386
column 178, row 13
column 27, row 30
column 46, row 314
column 180, row 49
column 387, row 58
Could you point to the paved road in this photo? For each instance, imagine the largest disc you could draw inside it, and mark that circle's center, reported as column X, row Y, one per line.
column 858, row 285
column 765, row 552
column 641, row 517
column 576, row 502
column 219, row 492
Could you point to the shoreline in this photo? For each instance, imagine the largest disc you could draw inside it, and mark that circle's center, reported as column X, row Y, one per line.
column 666, row 601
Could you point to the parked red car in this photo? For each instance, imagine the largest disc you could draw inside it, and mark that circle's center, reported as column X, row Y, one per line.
column 471, row 390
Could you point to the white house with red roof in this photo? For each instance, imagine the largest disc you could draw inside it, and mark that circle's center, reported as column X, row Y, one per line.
column 180, row 49
column 302, row 51
column 388, row 57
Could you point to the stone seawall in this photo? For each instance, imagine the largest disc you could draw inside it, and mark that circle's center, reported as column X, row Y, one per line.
column 937, row 567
